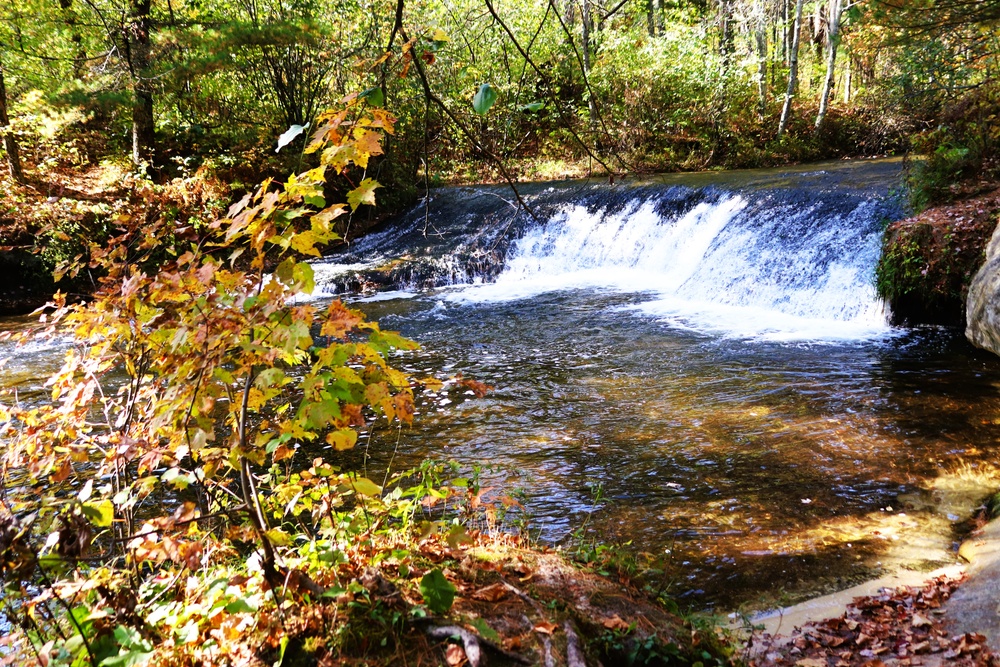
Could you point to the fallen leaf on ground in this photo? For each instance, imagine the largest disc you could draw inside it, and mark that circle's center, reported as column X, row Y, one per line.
column 615, row 623
column 491, row 593
column 545, row 628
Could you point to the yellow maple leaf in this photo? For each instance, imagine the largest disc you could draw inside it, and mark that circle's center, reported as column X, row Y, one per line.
column 363, row 194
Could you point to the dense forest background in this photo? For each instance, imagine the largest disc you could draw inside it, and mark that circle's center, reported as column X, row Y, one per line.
column 579, row 85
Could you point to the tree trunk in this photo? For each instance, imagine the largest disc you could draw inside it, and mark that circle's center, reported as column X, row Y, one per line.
column 786, row 35
column 848, row 82
column 831, row 61
column 650, row 18
column 9, row 140
column 761, row 38
column 726, row 36
column 793, row 68
column 143, row 129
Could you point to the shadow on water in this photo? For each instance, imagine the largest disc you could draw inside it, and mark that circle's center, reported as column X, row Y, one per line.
column 746, row 467
column 694, row 366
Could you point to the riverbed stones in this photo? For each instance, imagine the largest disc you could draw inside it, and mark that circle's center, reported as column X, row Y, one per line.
column 983, row 302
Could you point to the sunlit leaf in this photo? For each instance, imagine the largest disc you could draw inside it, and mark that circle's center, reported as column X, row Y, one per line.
column 365, row 487
column 101, row 514
column 288, row 136
column 278, row 537
column 342, row 439
column 484, row 99
column 363, row 194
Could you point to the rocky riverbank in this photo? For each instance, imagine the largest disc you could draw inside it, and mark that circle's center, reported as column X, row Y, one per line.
column 928, row 260
column 947, row 617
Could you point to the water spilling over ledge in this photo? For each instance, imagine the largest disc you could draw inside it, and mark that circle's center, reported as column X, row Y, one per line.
column 694, row 366
column 754, row 253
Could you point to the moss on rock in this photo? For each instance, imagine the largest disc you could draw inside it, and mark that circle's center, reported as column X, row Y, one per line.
column 929, row 260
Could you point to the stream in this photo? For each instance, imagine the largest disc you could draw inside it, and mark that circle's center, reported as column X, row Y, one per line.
column 694, row 368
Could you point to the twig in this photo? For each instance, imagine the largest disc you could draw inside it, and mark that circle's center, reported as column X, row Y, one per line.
column 422, row 75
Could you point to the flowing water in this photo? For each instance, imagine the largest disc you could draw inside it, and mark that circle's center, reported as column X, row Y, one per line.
column 694, row 367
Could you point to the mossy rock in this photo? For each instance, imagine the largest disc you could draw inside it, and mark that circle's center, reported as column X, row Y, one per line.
column 928, row 261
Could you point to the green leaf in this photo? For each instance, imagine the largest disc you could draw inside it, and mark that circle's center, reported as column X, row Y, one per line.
column 374, row 96
column 135, row 649
column 282, row 645
column 315, row 201
column 534, row 107
column 305, row 279
column 363, row 194
column 484, row 99
column 485, row 631
column 101, row 514
column 438, row 592
column 269, row 377
column 179, row 480
column 278, row 537
column 240, row 606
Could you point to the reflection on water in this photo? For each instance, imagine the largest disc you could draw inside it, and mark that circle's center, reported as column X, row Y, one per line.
column 749, row 466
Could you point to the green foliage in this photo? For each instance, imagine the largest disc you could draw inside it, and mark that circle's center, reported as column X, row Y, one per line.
column 930, row 179
column 438, row 592
column 901, row 268
column 675, row 86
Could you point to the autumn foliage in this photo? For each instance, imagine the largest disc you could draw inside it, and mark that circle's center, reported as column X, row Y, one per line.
column 168, row 444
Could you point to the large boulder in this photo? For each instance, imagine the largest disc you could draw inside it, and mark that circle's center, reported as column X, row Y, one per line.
column 982, row 306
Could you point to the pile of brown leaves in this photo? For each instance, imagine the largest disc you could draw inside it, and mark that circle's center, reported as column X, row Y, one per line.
column 902, row 626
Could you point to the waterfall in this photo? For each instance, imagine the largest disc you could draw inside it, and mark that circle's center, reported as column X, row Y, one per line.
column 774, row 262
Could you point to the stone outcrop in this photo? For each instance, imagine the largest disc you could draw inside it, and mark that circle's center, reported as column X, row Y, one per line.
column 928, row 261
column 983, row 302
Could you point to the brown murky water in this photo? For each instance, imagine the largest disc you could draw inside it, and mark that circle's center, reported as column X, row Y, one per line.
column 752, row 472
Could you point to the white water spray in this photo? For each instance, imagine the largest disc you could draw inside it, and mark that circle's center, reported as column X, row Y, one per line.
column 764, row 271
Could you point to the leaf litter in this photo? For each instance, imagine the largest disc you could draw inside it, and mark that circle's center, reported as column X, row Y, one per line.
column 900, row 627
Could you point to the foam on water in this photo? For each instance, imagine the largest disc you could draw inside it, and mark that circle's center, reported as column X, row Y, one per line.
column 756, row 269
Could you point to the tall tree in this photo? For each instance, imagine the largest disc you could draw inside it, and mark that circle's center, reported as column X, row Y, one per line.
column 138, row 54
column 833, row 39
column 760, row 41
column 793, row 68
column 9, row 140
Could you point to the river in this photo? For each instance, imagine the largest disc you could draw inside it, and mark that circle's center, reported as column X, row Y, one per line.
column 694, row 368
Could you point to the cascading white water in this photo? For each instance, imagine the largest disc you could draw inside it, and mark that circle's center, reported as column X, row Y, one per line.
column 756, row 269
